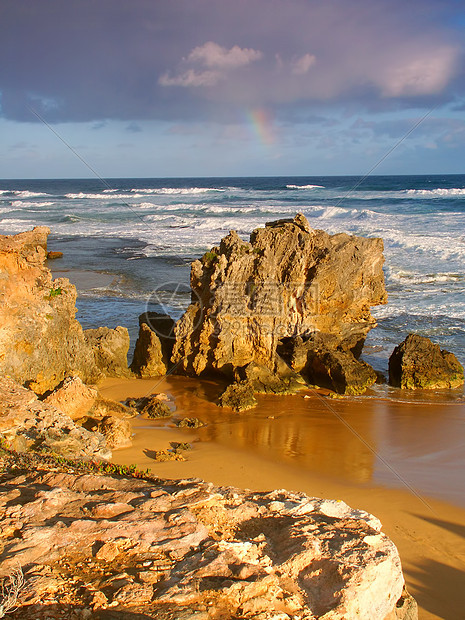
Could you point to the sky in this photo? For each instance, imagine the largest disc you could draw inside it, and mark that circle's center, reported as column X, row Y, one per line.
column 187, row 88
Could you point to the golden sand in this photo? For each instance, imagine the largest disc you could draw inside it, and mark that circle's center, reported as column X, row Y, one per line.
column 397, row 460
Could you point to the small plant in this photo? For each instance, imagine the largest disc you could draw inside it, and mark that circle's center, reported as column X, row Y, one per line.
column 55, row 292
column 210, row 258
column 10, row 591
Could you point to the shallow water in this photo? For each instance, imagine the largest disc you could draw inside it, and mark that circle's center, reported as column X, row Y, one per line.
column 415, row 446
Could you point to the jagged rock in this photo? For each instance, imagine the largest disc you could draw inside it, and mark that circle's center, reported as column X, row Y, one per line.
column 72, row 397
column 289, row 280
column 189, row 423
column 110, row 348
column 40, row 340
column 239, row 396
column 154, row 345
column 117, row 432
column 148, row 355
column 419, row 363
column 29, row 423
column 339, row 371
column 236, row 554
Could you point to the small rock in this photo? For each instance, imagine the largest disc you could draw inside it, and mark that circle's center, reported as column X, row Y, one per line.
column 238, row 396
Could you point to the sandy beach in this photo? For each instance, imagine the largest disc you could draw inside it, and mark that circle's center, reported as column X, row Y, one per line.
column 392, row 462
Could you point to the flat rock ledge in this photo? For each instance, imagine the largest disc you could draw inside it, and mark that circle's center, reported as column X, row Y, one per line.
column 97, row 546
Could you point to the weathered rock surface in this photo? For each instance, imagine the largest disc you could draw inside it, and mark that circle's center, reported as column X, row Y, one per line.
column 117, row 432
column 110, row 348
column 288, row 281
column 419, row 363
column 152, row 406
column 26, row 422
column 40, row 340
column 72, row 397
column 154, row 345
column 338, row 370
column 239, row 396
column 187, row 549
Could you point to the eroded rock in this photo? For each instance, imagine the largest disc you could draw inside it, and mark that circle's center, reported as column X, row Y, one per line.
column 198, row 549
column 40, row 340
column 110, row 348
column 419, row 363
column 288, row 281
column 26, row 423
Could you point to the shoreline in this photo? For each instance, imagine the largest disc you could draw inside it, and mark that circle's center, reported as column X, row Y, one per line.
column 428, row 532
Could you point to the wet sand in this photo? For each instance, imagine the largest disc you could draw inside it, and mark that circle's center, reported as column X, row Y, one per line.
column 397, row 460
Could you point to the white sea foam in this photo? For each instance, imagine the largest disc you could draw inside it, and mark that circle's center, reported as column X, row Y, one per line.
column 25, row 204
column 103, row 196
column 176, row 190
column 305, row 186
column 28, row 194
column 410, row 277
column 455, row 191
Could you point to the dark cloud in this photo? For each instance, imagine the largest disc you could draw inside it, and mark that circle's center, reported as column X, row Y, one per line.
column 82, row 60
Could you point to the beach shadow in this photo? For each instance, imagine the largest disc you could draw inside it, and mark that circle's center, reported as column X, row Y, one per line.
column 42, row 612
column 455, row 528
column 440, row 590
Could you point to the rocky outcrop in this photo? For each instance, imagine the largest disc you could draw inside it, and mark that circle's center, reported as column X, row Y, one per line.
column 189, row 550
column 289, row 281
column 419, row 363
column 40, row 340
column 110, row 348
column 153, row 348
column 325, row 365
column 27, row 423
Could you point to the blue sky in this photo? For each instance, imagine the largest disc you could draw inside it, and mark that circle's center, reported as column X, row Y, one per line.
column 156, row 88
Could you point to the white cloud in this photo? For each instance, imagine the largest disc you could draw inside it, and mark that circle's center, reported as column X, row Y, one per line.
column 213, row 55
column 303, row 64
column 421, row 75
column 190, row 78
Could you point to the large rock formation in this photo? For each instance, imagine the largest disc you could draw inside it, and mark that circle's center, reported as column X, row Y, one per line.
column 41, row 342
column 419, row 363
column 288, row 282
column 189, row 550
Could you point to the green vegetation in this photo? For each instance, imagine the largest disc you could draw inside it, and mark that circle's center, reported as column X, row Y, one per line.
column 55, row 292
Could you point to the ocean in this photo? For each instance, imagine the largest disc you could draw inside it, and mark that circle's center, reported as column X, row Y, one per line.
column 128, row 243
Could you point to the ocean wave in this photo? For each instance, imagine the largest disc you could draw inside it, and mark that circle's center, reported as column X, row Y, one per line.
column 24, row 204
column 176, row 190
column 28, row 194
column 454, row 191
column 305, row 186
column 429, row 278
column 102, row 196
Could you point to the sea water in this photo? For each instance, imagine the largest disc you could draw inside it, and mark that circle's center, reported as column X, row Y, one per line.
column 144, row 233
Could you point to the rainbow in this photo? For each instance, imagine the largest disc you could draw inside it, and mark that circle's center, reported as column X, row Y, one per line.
column 262, row 125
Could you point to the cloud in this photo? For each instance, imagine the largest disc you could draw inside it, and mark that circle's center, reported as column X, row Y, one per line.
column 197, row 60
column 213, row 55
column 190, row 78
column 302, row 65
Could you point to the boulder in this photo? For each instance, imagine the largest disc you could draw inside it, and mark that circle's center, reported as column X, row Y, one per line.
column 110, row 349
column 117, row 432
column 264, row 381
column 28, row 423
column 72, row 397
column 150, row 406
column 289, row 280
column 40, row 340
column 188, row 549
column 148, row 360
column 419, row 363
column 239, row 396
